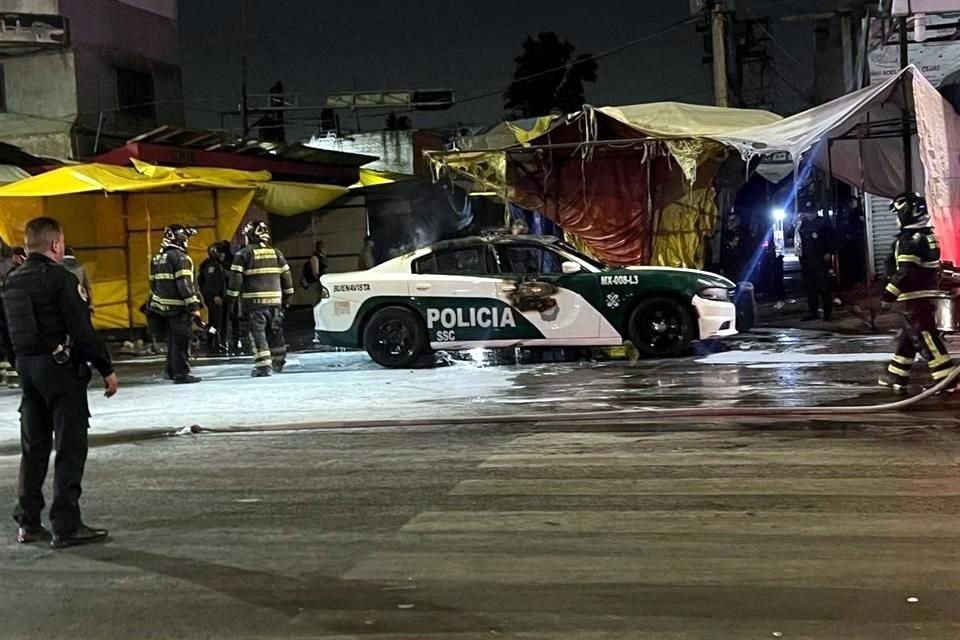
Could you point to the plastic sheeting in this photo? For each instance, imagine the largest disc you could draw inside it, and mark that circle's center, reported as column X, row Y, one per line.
column 679, row 120
column 601, row 193
column 939, row 131
column 114, row 217
column 872, row 164
column 604, row 202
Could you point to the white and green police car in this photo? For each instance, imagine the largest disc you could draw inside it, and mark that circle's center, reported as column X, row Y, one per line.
column 517, row 291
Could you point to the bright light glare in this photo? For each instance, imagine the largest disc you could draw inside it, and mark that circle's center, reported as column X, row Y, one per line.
column 478, row 355
column 778, row 214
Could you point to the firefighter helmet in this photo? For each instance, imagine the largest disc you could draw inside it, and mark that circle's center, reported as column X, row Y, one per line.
column 256, row 231
column 911, row 209
column 177, row 235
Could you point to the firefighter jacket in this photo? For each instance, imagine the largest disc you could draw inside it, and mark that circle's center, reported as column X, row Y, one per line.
column 917, row 255
column 260, row 277
column 172, row 289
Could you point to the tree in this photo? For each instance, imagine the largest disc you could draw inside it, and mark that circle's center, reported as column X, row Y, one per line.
column 548, row 78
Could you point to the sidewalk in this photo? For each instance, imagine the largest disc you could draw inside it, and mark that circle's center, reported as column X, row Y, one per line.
column 850, row 319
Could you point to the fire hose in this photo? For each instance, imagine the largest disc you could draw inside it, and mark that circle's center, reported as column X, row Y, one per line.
column 645, row 414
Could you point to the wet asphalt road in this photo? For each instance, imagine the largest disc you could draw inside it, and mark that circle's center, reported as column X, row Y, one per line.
column 721, row 528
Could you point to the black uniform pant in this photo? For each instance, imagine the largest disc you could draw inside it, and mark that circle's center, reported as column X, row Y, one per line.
column 269, row 347
column 920, row 336
column 53, row 409
column 816, row 282
column 179, row 331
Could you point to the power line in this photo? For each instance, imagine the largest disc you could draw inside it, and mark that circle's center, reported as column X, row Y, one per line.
column 596, row 56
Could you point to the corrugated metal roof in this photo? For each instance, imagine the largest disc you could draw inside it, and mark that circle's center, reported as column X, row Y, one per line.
column 206, row 140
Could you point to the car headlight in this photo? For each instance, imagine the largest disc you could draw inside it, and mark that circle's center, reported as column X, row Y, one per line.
column 324, row 292
column 717, row 294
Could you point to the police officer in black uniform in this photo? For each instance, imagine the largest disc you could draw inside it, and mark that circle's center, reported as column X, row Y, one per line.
column 45, row 325
column 174, row 299
column 815, row 244
column 261, row 283
column 916, row 284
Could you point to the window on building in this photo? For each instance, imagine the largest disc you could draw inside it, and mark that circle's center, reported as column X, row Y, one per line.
column 3, row 90
column 136, row 100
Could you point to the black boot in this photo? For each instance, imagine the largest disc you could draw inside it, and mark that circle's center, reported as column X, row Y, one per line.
column 27, row 534
column 82, row 535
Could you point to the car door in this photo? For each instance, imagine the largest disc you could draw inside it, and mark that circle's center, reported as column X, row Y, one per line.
column 563, row 307
column 451, row 286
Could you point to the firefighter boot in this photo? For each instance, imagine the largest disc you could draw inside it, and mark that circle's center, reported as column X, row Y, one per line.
column 897, row 375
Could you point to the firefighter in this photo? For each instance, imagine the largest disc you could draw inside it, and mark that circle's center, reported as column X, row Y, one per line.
column 174, row 299
column 915, row 283
column 261, row 284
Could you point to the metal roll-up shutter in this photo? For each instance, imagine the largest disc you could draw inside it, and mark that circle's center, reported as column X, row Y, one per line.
column 882, row 229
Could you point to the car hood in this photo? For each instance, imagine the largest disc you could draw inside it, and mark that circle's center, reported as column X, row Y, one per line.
column 707, row 278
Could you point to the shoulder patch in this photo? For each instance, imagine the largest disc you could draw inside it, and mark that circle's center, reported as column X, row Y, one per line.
column 83, row 293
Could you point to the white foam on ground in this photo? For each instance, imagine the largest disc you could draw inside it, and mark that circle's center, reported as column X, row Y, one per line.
column 790, row 357
column 316, row 388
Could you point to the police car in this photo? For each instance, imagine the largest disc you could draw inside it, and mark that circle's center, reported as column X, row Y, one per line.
column 517, row 291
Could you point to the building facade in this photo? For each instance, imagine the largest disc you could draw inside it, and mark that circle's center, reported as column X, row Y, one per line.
column 114, row 75
column 397, row 151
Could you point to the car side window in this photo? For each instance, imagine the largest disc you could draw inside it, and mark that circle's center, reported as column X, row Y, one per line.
column 460, row 261
column 529, row 259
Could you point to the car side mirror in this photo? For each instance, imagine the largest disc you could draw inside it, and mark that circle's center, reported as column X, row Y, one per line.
column 570, row 268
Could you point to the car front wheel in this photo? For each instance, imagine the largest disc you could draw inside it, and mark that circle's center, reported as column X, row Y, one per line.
column 395, row 338
column 661, row 328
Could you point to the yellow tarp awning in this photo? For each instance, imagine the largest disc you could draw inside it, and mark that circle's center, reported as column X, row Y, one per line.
column 294, row 198
column 87, row 178
column 375, row 177
column 114, row 216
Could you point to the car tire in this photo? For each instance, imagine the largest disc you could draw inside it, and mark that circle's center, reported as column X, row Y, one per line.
column 661, row 328
column 395, row 338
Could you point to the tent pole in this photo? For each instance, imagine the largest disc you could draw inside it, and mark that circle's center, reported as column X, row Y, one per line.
column 907, row 136
column 867, row 237
column 146, row 207
column 834, row 208
column 127, row 258
column 216, row 214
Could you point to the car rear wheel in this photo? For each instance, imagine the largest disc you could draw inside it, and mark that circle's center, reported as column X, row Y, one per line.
column 395, row 338
column 661, row 328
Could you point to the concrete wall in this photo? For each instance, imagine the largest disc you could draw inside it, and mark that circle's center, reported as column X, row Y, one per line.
column 107, row 35
column 394, row 148
column 341, row 228
column 55, row 99
column 30, row 6
column 112, row 26
column 41, row 93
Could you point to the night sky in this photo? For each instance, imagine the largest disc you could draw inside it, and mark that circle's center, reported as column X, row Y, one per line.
column 316, row 47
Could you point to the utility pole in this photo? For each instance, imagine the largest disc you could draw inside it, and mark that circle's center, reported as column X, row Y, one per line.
column 244, row 96
column 718, row 29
